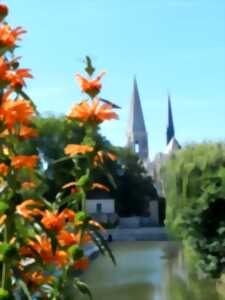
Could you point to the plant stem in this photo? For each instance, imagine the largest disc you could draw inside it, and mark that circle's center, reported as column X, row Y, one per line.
column 4, row 265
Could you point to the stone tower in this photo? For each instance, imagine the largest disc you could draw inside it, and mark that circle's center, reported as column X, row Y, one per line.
column 137, row 137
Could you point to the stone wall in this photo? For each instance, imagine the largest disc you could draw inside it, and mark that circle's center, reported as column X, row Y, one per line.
column 105, row 206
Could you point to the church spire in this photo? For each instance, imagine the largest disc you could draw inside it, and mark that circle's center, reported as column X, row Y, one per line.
column 170, row 132
column 137, row 134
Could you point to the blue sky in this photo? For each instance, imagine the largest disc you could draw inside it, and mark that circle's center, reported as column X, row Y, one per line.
column 170, row 45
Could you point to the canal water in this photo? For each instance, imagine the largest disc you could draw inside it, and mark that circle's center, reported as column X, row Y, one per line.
column 146, row 271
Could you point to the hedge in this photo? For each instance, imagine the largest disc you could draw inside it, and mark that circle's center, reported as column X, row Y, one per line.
column 194, row 185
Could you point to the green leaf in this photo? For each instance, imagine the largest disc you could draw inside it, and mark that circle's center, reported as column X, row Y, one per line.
column 76, row 251
column 89, row 141
column 89, row 67
column 83, row 288
column 3, row 207
column 97, row 242
column 24, row 288
column 83, row 180
column 3, row 294
column 62, row 159
column 4, row 248
column 104, row 243
column 82, row 216
column 53, row 238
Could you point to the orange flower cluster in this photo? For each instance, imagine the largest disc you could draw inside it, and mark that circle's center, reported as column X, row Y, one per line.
column 28, row 209
column 94, row 112
column 4, row 169
column 43, row 246
column 13, row 77
column 12, row 112
column 27, row 161
column 22, row 132
column 8, row 36
column 73, row 149
column 37, row 278
column 27, row 132
column 91, row 87
column 27, row 185
column 57, row 222
column 53, row 220
column 46, row 233
column 16, row 78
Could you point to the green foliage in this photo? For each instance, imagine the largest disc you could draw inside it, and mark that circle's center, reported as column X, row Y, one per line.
column 131, row 187
column 194, row 182
column 134, row 186
column 54, row 134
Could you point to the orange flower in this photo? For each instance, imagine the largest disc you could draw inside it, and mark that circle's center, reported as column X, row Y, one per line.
column 2, row 219
column 112, row 156
column 16, row 111
column 3, row 11
column 27, row 161
column 13, row 77
column 16, row 78
column 27, row 185
column 37, row 278
column 43, row 247
column 66, row 238
column 100, row 186
column 68, row 214
column 93, row 112
column 99, row 157
column 72, row 186
column 53, row 220
column 4, row 169
column 27, row 132
column 28, row 209
column 73, row 149
column 83, row 238
column 82, row 264
column 26, row 251
column 8, row 37
column 97, row 225
column 3, row 68
column 91, row 87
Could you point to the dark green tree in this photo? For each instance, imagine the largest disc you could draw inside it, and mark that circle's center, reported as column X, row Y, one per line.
column 134, row 186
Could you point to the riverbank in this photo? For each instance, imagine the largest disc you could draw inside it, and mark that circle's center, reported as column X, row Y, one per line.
column 129, row 234
column 139, row 234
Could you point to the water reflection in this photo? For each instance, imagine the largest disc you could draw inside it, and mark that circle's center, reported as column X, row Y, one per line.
column 146, row 271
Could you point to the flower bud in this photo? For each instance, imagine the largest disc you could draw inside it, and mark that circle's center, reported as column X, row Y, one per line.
column 3, row 11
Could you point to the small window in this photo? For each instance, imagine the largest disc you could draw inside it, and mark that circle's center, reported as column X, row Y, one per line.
column 99, row 207
column 136, row 147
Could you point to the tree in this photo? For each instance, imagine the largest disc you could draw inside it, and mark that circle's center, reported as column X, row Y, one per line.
column 134, row 186
column 126, row 177
column 194, row 182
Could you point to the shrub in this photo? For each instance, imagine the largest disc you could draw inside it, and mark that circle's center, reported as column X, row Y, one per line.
column 194, row 184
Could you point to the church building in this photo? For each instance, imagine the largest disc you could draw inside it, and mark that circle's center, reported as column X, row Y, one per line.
column 137, row 137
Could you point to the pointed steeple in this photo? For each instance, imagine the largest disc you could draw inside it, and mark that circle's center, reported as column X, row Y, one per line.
column 170, row 132
column 136, row 121
column 137, row 134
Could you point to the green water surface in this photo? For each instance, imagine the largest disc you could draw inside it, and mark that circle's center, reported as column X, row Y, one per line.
column 146, row 271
